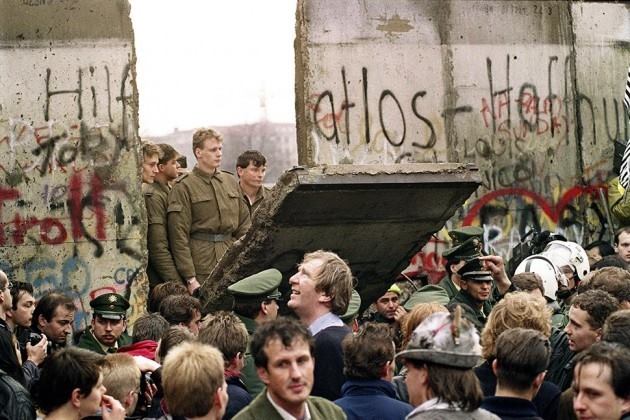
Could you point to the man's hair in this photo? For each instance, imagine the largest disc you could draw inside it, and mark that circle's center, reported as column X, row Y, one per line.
column 598, row 304
column 167, row 152
column 64, row 371
column 121, row 375
column 19, row 288
column 610, row 261
column 613, row 280
column 191, row 375
column 517, row 309
column 617, row 328
column 4, row 280
column 149, row 327
column 521, row 355
column 625, row 229
column 253, row 156
column 179, row 308
column 225, row 331
column 150, row 149
column 527, row 282
column 48, row 304
column 249, row 308
column 419, row 313
column 287, row 330
column 162, row 291
column 453, row 386
column 173, row 337
column 203, row 134
column 366, row 353
column 334, row 279
column 616, row 357
column 603, row 247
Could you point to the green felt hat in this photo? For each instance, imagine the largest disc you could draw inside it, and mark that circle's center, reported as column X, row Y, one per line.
column 462, row 234
column 110, row 306
column 471, row 248
column 431, row 293
column 353, row 307
column 263, row 285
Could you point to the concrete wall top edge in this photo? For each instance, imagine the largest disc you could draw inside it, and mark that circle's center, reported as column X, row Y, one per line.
column 64, row 19
column 437, row 22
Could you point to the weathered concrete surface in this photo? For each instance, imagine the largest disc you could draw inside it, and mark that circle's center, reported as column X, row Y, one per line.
column 529, row 91
column 70, row 199
column 373, row 216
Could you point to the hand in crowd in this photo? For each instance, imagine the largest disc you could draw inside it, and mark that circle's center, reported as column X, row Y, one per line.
column 193, row 285
column 38, row 352
column 112, row 409
column 496, row 266
column 400, row 314
column 145, row 364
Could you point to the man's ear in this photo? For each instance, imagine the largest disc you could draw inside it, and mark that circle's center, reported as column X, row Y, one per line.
column 239, row 171
column 263, row 375
column 323, row 298
column 75, row 398
column 495, row 367
column 41, row 321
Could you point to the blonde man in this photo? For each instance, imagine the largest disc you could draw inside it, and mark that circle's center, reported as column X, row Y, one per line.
column 320, row 293
column 193, row 382
column 150, row 157
column 206, row 212
column 121, row 377
column 517, row 310
column 226, row 332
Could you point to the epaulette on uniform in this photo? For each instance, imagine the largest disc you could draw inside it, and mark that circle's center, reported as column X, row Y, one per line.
column 181, row 177
column 147, row 189
column 228, row 172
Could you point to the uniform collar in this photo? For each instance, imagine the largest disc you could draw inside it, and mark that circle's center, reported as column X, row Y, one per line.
column 206, row 176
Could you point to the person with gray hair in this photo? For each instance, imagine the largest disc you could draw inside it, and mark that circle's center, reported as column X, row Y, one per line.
column 440, row 357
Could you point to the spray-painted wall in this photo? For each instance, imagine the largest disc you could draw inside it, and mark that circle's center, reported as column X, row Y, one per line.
column 71, row 205
column 529, row 91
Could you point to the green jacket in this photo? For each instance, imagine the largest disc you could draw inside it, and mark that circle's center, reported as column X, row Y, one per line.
column 89, row 342
column 263, row 194
column 201, row 205
column 448, row 285
column 248, row 373
column 261, row 408
column 161, row 266
column 469, row 308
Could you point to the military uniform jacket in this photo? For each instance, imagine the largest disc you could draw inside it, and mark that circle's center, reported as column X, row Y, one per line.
column 161, row 266
column 469, row 309
column 448, row 285
column 262, row 195
column 248, row 374
column 204, row 204
column 89, row 342
column 261, row 408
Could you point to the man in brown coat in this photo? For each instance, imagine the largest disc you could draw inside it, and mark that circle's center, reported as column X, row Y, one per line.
column 206, row 212
column 161, row 266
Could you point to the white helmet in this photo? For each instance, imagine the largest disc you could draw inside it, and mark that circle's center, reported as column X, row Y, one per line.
column 563, row 253
column 549, row 273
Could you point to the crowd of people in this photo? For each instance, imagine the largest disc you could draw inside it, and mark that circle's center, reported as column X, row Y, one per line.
column 550, row 340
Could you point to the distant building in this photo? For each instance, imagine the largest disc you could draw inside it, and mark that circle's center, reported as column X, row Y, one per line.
column 277, row 141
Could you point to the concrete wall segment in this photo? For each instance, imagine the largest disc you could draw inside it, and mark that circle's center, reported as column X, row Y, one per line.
column 70, row 215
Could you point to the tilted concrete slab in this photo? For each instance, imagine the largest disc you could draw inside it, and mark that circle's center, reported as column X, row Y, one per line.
column 374, row 216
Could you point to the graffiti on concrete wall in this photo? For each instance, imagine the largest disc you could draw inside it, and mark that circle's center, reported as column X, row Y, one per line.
column 70, row 217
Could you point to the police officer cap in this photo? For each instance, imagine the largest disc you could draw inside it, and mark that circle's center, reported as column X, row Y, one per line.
column 475, row 271
column 470, row 248
column 431, row 293
column 353, row 307
column 462, row 234
column 263, row 285
column 110, row 306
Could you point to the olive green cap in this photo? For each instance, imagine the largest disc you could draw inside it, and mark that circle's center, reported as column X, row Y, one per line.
column 263, row 285
column 110, row 306
column 431, row 293
column 471, row 248
column 462, row 234
column 475, row 271
column 353, row 307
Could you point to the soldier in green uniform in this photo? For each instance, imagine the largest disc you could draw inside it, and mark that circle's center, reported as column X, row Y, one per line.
column 255, row 302
column 483, row 283
column 161, row 266
column 467, row 244
column 251, row 167
column 108, row 331
column 206, row 212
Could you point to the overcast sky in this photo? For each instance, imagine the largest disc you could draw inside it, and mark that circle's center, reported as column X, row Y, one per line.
column 212, row 62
